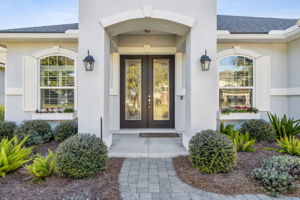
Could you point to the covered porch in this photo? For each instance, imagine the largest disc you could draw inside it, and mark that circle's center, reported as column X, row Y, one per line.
column 133, row 48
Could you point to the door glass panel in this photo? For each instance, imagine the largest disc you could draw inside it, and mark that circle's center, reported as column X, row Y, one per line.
column 133, row 89
column 161, row 90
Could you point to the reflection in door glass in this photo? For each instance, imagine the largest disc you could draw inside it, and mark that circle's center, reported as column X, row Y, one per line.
column 161, row 96
column 133, row 89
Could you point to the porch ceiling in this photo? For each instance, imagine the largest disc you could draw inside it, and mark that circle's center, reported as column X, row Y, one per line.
column 156, row 26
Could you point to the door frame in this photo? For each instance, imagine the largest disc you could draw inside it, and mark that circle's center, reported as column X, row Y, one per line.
column 147, row 80
column 134, row 123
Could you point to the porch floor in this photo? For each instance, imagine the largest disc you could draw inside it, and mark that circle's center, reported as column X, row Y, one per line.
column 134, row 146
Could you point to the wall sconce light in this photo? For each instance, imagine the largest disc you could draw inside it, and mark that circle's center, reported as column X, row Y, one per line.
column 205, row 62
column 89, row 62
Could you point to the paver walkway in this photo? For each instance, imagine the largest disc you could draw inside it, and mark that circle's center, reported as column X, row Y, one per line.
column 156, row 179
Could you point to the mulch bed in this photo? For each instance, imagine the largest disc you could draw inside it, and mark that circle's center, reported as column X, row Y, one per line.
column 18, row 185
column 236, row 181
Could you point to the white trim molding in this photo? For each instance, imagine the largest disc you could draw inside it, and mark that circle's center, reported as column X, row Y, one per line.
column 115, row 68
column 147, row 49
column 38, row 36
column 295, row 91
column 274, row 35
column 238, row 116
column 2, row 49
column 147, row 12
column 179, row 86
column 14, row 91
column 54, row 116
column 56, row 50
column 236, row 50
column 72, row 32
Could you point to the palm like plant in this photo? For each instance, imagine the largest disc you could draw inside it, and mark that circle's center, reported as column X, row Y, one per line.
column 13, row 155
column 284, row 126
column 288, row 145
column 242, row 142
column 42, row 167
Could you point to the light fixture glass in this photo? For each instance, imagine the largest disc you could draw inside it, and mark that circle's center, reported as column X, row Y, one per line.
column 205, row 62
column 89, row 62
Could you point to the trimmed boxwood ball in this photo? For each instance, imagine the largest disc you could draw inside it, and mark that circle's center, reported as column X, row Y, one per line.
column 81, row 156
column 212, row 152
column 7, row 129
column 259, row 130
column 64, row 130
column 38, row 132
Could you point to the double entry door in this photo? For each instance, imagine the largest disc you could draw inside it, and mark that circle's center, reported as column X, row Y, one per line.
column 147, row 91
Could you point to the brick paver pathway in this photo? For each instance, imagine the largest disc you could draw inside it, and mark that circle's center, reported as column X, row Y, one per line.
column 156, row 179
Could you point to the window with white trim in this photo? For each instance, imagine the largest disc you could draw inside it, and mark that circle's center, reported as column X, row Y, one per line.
column 236, row 82
column 57, row 82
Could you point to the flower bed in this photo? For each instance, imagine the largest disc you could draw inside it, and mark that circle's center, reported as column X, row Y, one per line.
column 238, row 109
column 104, row 185
column 55, row 110
column 236, row 181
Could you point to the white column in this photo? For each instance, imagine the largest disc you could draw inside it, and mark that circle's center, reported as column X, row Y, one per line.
column 202, row 88
column 93, row 87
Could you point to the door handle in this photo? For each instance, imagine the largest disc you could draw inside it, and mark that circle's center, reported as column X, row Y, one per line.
column 149, row 101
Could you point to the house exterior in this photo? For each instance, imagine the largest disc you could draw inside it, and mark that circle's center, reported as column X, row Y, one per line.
column 2, row 75
column 147, row 75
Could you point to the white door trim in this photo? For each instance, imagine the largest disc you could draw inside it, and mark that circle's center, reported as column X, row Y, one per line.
column 147, row 50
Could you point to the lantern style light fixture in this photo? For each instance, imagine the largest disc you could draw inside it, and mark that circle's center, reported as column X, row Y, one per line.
column 205, row 62
column 89, row 62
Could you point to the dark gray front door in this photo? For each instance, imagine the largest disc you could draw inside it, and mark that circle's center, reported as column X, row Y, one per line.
column 147, row 91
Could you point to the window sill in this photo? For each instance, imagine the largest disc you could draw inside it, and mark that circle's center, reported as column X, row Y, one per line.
column 54, row 116
column 238, row 116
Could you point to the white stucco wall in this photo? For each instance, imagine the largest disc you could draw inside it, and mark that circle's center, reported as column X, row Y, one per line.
column 278, row 69
column 2, row 85
column 2, row 75
column 14, row 75
column 293, row 77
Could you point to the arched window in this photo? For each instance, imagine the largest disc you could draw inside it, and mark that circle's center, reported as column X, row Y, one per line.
column 57, row 83
column 236, row 82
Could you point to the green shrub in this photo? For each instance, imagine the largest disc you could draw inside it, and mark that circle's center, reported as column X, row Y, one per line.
column 13, row 155
column 81, row 156
column 7, row 129
column 68, row 110
column 284, row 126
column 2, row 112
column 212, row 152
column 41, row 167
column 65, row 130
column 288, row 145
column 278, row 175
column 241, row 141
column 226, row 129
column 37, row 131
column 259, row 130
